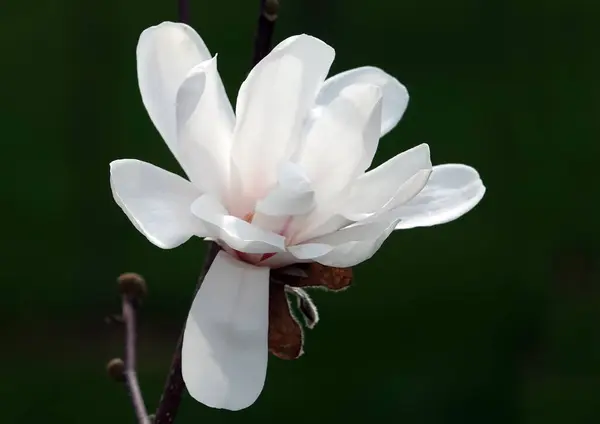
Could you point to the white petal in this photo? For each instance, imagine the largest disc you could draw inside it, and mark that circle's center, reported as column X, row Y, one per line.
column 452, row 191
column 284, row 208
column 293, row 194
column 204, row 127
column 349, row 246
column 325, row 218
column 156, row 201
column 342, row 141
column 236, row 233
column 165, row 55
column 224, row 354
column 389, row 185
column 395, row 95
column 353, row 253
column 272, row 106
column 355, row 232
column 309, row 251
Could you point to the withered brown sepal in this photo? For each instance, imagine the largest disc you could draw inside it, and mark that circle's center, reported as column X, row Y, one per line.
column 318, row 275
column 285, row 333
column 286, row 336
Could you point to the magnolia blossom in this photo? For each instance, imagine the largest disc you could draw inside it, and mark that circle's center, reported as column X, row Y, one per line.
column 282, row 180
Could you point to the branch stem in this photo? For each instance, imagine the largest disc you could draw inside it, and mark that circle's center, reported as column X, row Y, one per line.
column 264, row 29
column 130, row 362
column 183, row 11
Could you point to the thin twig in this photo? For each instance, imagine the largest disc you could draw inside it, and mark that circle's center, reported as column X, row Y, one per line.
column 269, row 10
column 183, row 11
column 171, row 397
column 130, row 364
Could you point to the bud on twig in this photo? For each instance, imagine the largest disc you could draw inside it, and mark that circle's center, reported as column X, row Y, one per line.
column 116, row 369
column 132, row 285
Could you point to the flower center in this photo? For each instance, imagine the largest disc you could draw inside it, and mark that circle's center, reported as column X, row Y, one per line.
column 249, row 217
column 252, row 258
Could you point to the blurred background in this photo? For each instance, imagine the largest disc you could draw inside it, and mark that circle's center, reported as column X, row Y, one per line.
column 492, row 318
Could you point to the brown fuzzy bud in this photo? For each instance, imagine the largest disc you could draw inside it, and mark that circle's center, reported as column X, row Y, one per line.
column 116, row 369
column 132, row 285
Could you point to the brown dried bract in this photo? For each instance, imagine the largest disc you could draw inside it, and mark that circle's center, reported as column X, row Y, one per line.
column 285, row 334
column 319, row 276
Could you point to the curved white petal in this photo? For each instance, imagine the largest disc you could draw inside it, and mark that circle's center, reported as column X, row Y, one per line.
column 452, row 191
column 224, row 353
column 355, row 232
column 324, row 219
column 204, row 127
column 165, row 55
column 293, row 194
column 284, row 208
column 156, row 201
column 309, row 251
column 348, row 246
column 395, row 95
column 272, row 106
column 352, row 253
column 389, row 185
column 236, row 233
column 342, row 141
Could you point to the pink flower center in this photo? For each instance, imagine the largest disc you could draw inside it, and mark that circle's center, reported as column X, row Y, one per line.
column 255, row 258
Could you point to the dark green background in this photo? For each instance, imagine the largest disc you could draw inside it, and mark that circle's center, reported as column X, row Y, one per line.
column 493, row 318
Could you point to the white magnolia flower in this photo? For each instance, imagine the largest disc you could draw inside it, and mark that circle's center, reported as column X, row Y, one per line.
column 280, row 181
